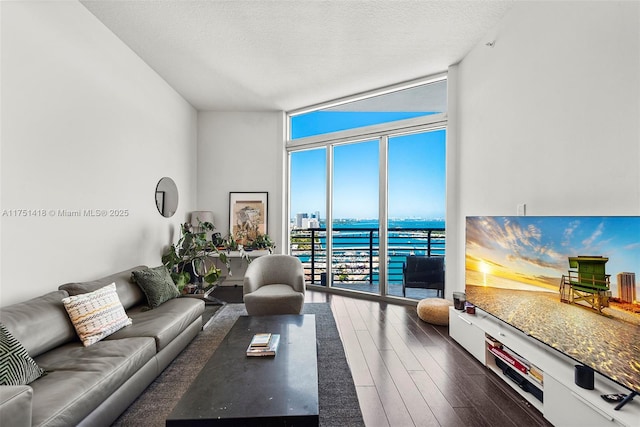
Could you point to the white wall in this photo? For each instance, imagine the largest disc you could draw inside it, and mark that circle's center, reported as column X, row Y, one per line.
column 86, row 124
column 241, row 151
column 549, row 116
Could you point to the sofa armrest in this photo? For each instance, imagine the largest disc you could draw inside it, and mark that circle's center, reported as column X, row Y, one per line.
column 15, row 405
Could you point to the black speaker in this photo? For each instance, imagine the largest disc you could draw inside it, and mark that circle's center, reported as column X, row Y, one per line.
column 584, row 377
column 459, row 298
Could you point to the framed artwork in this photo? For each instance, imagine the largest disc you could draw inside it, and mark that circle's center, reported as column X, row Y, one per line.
column 247, row 215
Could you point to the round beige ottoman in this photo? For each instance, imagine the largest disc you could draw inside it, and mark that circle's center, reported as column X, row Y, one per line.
column 434, row 311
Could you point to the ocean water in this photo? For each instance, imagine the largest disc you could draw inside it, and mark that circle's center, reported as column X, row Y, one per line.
column 354, row 238
column 393, row 223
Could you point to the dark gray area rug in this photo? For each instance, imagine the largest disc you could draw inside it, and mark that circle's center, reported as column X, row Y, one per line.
column 338, row 400
column 209, row 312
column 226, row 294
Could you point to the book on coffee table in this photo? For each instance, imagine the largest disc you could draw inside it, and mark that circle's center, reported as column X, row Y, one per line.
column 260, row 340
column 265, row 350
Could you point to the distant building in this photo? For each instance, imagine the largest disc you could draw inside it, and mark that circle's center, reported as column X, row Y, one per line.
column 299, row 218
column 627, row 287
column 310, row 223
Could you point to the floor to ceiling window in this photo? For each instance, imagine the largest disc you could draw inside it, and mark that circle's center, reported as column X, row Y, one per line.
column 355, row 215
column 367, row 189
column 415, row 206
column 307, row 199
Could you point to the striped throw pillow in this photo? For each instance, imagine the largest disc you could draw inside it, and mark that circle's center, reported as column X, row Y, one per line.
column 96, row 314
column 16, row 366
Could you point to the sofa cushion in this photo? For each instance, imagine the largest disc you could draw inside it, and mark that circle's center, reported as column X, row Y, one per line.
column 81, row 378
column 40, row 324
column 157, row 285
column 129, row 293
column 274, row 299
column 96, row 314
column 16, row 366
column 15, row 405
column 163, row 323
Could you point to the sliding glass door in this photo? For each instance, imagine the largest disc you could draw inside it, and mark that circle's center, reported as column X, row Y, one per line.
column 355, row 216
column 416, row 209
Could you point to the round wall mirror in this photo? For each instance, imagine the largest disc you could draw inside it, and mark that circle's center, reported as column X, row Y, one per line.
column 166, row 197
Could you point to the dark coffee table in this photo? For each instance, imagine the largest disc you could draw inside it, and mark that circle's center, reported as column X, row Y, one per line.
column 233, row 389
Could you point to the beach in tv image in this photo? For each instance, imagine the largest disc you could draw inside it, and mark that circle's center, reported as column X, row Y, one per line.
column 569, row 282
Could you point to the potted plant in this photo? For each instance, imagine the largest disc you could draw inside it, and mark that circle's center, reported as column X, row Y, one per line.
column 190, row 254
column 230, row 243
column 263, row 241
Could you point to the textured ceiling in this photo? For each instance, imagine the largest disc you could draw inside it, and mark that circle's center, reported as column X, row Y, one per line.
column 246, row 55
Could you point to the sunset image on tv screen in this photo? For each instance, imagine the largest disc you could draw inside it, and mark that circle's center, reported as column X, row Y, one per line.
column 567, row 281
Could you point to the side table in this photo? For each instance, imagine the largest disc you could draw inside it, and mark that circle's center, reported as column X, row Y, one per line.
column 205, row 295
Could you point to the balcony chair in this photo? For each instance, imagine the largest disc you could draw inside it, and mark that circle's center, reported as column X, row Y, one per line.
column 423, row 272
column 274, row 284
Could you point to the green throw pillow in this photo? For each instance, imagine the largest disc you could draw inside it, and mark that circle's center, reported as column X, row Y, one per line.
column 157, row 285
column 16, row 366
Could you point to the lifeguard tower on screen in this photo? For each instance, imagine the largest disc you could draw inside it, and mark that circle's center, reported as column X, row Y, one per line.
column 586, row 282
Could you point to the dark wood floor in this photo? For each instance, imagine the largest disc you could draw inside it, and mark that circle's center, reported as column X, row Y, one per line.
column 410, row 373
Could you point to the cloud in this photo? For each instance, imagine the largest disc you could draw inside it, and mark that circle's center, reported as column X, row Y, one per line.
column 632, row 246
column 519, row 242
column 594, row 236
column 568, row 232
column 539, row 262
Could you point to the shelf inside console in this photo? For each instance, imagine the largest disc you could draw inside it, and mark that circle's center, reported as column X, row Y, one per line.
column 507, row 363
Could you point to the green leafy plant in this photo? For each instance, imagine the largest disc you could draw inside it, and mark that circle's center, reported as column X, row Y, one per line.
column 263, row 241
column 230, row 243
column 192, row 252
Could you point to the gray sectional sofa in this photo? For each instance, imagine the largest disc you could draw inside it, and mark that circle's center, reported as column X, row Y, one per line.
column 92, row 385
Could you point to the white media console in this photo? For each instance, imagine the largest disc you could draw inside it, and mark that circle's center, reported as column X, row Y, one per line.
column 564, row 403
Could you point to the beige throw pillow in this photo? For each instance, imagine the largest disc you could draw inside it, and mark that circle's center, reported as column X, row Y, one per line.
column 97, row 314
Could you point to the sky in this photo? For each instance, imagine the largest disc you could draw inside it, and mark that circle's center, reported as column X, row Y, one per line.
column 322, row 122
column 535, row 250
column 416, row 176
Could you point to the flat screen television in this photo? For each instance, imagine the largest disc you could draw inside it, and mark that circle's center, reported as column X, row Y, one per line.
column 567, row 281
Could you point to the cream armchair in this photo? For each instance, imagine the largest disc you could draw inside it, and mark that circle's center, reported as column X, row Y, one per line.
column 274, row 284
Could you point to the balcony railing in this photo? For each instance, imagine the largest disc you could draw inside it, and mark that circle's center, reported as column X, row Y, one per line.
column 356, row 252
